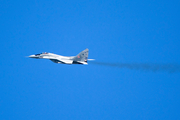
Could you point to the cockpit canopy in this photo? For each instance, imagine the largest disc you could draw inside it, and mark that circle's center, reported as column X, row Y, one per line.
column 41, row 53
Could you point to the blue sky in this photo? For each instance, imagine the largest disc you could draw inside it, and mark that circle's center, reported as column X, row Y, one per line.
column 115, row 32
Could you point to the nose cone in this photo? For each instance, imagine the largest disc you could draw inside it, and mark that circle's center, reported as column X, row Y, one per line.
column 33, row 56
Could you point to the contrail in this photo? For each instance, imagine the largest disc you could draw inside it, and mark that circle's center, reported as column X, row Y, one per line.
column 142, row 66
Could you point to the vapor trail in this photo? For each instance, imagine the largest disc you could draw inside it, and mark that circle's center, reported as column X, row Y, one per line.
column 142, row 66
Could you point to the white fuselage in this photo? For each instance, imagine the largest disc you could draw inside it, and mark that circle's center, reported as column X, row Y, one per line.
column 57, row 58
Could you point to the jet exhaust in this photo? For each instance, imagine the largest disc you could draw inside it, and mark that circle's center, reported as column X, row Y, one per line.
column 171, row 68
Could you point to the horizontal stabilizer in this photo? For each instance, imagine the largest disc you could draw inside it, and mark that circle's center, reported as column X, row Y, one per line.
column 85, row 63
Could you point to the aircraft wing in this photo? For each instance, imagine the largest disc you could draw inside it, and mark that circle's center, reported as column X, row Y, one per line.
column 66, row 61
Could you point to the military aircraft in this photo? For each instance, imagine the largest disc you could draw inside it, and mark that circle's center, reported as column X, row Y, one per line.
column 81, row 58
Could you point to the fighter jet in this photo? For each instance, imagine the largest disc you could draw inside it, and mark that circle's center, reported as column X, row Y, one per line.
column 81, row 58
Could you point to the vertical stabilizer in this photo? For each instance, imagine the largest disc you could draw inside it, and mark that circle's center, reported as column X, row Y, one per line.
column 82, row 56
